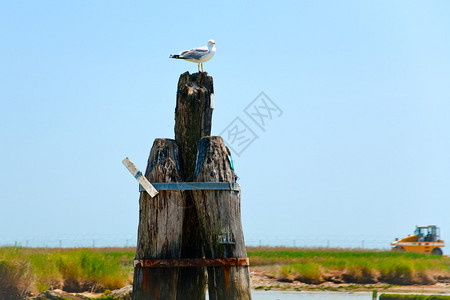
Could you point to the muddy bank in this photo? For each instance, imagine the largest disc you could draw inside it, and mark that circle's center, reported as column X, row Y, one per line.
column 264, row 278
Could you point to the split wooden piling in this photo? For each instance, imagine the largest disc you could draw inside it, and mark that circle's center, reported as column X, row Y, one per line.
column 186, row 235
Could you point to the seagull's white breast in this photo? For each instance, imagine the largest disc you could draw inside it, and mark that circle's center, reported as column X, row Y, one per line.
column 209, row 55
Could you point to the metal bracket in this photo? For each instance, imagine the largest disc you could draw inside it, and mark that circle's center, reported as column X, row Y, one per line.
column 192, row 186
column 226, row 237
column 190, row 262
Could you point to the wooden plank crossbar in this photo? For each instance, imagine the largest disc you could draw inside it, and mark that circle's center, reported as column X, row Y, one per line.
column 190, row 186
column 143, row 182
column 190, row 262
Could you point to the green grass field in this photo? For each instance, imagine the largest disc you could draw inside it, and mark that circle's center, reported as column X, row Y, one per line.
column 25, row 270
column 351, row 266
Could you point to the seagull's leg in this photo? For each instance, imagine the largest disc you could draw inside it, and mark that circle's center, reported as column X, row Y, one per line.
column 202, row 67
column 198, row 68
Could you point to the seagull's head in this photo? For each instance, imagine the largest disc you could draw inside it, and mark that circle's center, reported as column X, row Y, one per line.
column 211, row 43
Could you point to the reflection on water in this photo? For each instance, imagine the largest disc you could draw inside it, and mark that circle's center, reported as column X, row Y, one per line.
column 274, row 295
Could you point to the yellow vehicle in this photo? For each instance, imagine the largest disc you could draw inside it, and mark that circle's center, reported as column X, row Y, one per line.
column 424, row 240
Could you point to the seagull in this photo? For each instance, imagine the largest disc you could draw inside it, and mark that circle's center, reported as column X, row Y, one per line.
column 198, row 55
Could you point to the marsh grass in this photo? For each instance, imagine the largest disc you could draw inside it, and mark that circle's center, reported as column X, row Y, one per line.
column 353, row 265
column 25, row 270
column 74, row 270
column 15, row 279
column 360, row 271
column 308, row 272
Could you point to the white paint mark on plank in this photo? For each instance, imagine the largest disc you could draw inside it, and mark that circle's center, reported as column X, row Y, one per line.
column 148, row 187
column 211, row 101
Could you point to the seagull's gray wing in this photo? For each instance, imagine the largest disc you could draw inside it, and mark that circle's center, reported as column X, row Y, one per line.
column 196, row 53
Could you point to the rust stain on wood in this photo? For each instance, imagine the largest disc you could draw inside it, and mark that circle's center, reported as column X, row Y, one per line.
column 144, row 280
column 226, row 275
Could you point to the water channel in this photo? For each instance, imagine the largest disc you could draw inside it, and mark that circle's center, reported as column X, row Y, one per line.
column 277, row 295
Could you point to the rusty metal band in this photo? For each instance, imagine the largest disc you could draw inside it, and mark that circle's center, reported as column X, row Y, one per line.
column 190, row 262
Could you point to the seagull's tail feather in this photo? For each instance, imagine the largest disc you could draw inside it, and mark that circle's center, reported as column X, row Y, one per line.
column 175, row 56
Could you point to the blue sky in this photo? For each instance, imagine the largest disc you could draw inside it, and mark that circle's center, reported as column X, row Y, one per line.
column 362, row 147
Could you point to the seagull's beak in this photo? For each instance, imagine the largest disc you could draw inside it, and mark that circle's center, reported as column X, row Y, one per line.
column 213, row 43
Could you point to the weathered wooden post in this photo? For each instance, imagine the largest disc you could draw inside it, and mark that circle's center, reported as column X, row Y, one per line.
column 193, row 119
column 194, row 222
column 160, row 225
column 193, row 116
column 219, row 213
